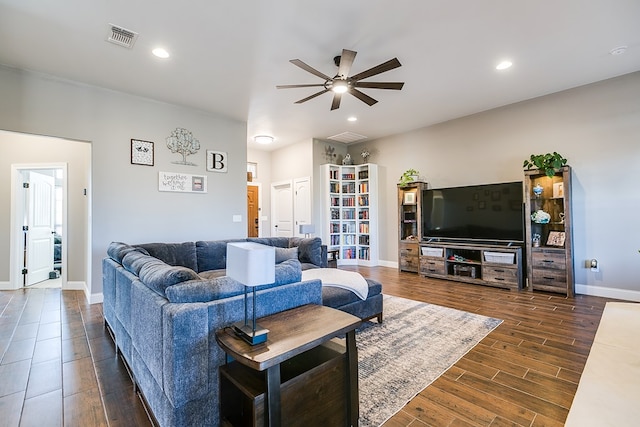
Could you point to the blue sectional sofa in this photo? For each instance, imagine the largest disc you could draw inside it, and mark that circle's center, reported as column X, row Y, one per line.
column 164, row 301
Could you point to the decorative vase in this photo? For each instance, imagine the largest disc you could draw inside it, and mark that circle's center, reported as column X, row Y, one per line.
column 537, row 190
column 540, row 217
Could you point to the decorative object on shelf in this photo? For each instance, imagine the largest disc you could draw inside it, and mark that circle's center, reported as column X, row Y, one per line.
column 365, row 155
column 547, row 163
column 141, row 152
column 181, row 141
column 535, row 240
column 347, row 160
column 251, row 264
column 561, row 216
column 558, row 190
column 537, row 190
column 409, row 176
column 556, row 238
column 540, row 217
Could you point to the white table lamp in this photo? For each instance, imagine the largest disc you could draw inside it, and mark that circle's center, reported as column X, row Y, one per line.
column 307, row 229
column 251, row 264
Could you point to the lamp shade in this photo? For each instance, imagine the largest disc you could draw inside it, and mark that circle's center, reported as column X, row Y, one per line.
column 251, row 264
column 307, row 228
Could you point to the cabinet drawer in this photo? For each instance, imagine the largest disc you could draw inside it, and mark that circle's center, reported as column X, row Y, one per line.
column 431, row 266
column 551, row 260
column 549, row 278
column 410, row 263
column 409, row 249
column 507, row 276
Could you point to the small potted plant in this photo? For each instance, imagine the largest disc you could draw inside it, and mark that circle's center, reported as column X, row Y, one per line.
column 408, row 176
column 547, row 163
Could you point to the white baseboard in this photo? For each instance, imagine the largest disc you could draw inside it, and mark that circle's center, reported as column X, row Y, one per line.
column 74, row 286
column 390, row 264
column 95, row 298
column 616, row 293
column 6, row 286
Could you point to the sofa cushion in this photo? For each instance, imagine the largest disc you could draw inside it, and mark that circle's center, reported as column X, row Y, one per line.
column 212, row 274
column 178, row 254
column 278, row 242
column 283, row 254
column 117, row 250
column 309, row 250
column 134, row 260
column 212, row 255
column 224, row 287
column 158, row 276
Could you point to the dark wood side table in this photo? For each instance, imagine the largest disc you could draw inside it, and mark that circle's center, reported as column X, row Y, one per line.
column 332, row 258
column 292, row 333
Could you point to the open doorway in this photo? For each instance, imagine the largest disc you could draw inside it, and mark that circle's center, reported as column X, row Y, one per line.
column 253, row 210
column 39, row 219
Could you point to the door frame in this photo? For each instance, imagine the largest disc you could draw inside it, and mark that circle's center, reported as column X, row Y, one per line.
column 259, row 185
column 17, row 219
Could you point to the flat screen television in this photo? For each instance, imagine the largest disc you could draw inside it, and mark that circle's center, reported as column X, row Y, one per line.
column 490, row 212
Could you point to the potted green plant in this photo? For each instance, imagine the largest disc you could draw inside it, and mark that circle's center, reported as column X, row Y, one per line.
column 547, row 163
column 408, row 176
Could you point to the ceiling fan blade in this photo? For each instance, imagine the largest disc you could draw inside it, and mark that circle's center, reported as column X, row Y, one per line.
column 363, row 97
column 312, row 96
column 346, row 60
column 380, row 85
column 386, row 66
column 336, row 101
column 293, row 86
column 309, row 69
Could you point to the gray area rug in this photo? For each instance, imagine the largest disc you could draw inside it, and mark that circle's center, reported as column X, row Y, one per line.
column 416, row 343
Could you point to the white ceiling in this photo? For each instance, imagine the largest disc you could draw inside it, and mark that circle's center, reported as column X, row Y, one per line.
column 227, row 57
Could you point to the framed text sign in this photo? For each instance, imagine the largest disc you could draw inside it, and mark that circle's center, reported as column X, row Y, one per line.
column 182, row 182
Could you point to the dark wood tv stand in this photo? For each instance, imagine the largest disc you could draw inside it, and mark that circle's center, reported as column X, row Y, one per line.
column 498, row 265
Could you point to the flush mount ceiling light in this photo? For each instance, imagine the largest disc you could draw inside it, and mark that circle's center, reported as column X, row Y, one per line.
column 263, row 139
column 504, row 65
column 160, row 53
column 352, row 119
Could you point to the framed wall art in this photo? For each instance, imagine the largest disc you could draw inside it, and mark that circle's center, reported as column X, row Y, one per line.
column 141, row 152
column 409, row 198
column 252, row 168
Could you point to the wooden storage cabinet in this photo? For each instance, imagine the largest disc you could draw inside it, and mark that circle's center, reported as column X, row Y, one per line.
column 549, row 244
column 313, row 390
column 410, row 225
column 499, row 266
column 409, row 258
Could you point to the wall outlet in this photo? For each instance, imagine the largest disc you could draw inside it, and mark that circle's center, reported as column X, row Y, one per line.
column 237, row 218
column 594, row 265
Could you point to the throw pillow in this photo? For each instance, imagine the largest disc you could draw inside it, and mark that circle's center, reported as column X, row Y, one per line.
column 283, row 254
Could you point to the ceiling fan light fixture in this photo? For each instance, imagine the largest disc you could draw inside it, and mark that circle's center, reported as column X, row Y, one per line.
column 263, row 139
column 340, row 86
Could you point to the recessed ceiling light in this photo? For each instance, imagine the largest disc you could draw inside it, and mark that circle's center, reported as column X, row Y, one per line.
column 263, row 139
column 160, row 53
column 352, row 119
column 618, row 50
column 504, row 65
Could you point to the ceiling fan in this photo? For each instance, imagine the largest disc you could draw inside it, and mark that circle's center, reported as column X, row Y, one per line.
column 342, row 83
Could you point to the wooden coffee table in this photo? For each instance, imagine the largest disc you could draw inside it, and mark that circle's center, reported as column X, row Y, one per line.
column 292, row 333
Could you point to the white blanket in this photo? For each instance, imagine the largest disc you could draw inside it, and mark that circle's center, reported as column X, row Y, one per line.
column 349, row 280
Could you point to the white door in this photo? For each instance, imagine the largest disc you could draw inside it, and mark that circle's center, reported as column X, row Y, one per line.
column 301, row 203
column 39, row 218
column 282, row 209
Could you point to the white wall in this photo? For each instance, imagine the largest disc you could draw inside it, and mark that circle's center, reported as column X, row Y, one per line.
column 125, row 202
column 596, row 127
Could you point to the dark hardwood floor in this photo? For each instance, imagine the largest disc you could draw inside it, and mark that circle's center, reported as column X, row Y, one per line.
column 58, row 364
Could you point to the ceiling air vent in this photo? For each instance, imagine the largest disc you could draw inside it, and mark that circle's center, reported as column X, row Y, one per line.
column 121, row 36
column 347, row 137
